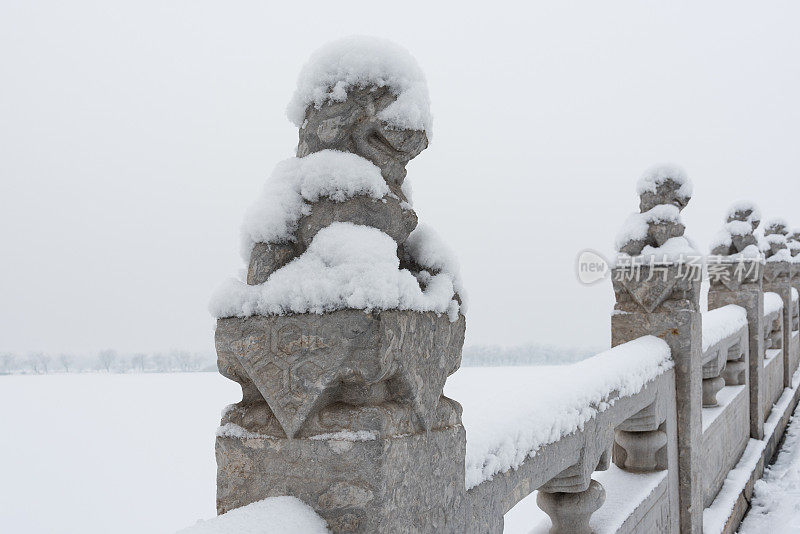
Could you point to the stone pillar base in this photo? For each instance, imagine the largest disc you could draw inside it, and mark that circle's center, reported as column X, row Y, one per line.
column 357, row 482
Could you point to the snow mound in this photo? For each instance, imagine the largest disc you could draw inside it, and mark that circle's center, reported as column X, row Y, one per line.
column 361, row 61
column 739, row 228
column 655, row 176
column 511, row 412
column 674, row 249
column 429, row 251
column 772, row 303
column 750, row 252
column 284, row 200
column 744, row 205
column 721, row 323
column 273, row 515
column 776, row 239
column 346, row 266
column 783, row 254
column 638, row 224
column 634, row 228
column 721, row 239
column 776, row 221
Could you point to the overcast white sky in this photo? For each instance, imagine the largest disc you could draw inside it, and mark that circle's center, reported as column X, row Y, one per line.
column 133, row 135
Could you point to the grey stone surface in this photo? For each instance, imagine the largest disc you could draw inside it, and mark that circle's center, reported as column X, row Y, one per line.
column 299, row 364
column 742, row 285
column 643, row 450
column 570, row 512
column 723, row 442
column 773, row 379
column 266, row 258
column 353, row 126
column 399, row 483
column 306, row 379
column 711, row 387
column 667, row 192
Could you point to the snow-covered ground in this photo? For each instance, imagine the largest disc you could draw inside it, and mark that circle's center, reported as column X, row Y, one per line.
column 103, row 453
column 99, row 453
column 775, row 508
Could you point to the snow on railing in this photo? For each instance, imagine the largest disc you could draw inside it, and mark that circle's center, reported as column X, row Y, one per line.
column 724, row 350
column 511, row 412
column 773, row 303
column 273, row 514
column 726, row 414
column 551, row 427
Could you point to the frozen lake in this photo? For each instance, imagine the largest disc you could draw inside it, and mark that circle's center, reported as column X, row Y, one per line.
column 97, row 453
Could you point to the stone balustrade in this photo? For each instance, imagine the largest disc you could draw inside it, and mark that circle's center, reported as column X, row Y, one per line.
column 635, row 431
column 725, row 360
column 347, row 407
column 774, row 361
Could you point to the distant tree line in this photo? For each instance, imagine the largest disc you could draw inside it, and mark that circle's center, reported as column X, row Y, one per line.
column 106, row 361
column 111, row 361
column 530, row 354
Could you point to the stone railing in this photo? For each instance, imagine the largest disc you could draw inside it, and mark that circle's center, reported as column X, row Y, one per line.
column 634, row 429
column 726, row 417
column 348, row 402
column 774, row 361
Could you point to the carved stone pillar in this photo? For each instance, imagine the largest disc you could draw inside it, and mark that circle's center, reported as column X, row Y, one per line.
column 342, row 401
column 739, row 282
column 659, row 295
column 777, row 279
column 669, row 308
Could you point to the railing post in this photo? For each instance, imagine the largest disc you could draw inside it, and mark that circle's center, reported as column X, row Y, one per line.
column 778, row 279
column 342, row 403
column 735, row 272
column 793, row 242
column 660, row 296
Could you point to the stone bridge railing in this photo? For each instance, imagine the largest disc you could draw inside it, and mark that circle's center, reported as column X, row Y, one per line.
column 346, row 332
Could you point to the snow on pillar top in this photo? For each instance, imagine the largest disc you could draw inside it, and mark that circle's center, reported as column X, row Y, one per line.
column 367, row 96
column 737, row 235
column 793, row 242
column 363, row 62
column 664, row 191
column 776, row 240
